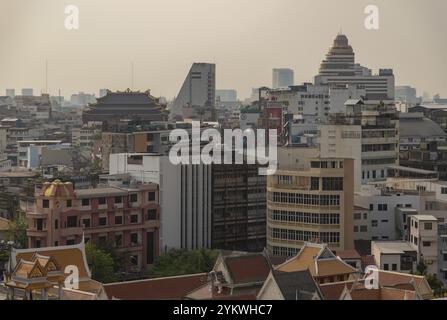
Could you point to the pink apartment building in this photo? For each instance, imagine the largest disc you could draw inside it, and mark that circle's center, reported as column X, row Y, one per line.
column 127, row 216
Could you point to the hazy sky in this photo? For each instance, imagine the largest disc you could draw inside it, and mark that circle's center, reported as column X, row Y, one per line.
column 245, row 38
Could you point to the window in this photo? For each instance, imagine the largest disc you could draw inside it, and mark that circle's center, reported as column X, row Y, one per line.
column 426, row 243
column 56, row 243
column 102, row 221
column 86, row 223
column 333, row 184
column 133, row 197
column 102, row 240
column 386, row 266
column 134, row 238
column 363, row 228
column 383, row 207
column 69, row 204
column 444, row 256
column 444, row 190
column 415, row 224
column 101, row 201
column 371, row 207
column 314, row 183
column 134, row 218
column 374, row 223
column 56, row 224
column 356, row 229
column 118, row 199
column 357, row 216
column 151, row 196
column 134, row 260
column 70, row 242
column 394, row 267
column 72, row 222
column 152, row 214
column 45, row 203
column 118, row 219
column 428, row 226
column 365, row 216
column 118, row 240
column 85, row 202
column 37, row 243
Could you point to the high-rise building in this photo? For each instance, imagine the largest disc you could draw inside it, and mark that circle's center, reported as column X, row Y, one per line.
column 185, row 197
column 27, row 92
column 197, row 95
column 226, row 95
column 339, row 68
column 408, row 96
column 312, row 203
column 10, row 93
column 238, row 207
column 282, row 78
column 380, row 135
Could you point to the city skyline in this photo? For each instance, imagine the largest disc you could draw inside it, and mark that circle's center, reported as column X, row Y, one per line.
column 101, row 53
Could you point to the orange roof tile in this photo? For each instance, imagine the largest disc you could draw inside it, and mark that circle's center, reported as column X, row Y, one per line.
column 156, row 289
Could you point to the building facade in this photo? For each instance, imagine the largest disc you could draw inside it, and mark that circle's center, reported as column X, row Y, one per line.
column 129, row 218
column 238, row 207
column 311, row 205
column 197, row 95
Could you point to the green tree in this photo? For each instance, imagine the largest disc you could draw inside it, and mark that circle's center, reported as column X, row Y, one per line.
column 101, row 264
column 121, row 259
column 179, row 262
column 17, row 230
column 436, row 285
column 421, row 268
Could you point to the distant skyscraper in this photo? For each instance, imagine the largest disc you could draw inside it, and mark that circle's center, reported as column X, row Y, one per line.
column 198, row 92
column 282, row 78
column 10, row 93
column 226, row 95
column 27, row 92
column 339, row 69
column 103, row 92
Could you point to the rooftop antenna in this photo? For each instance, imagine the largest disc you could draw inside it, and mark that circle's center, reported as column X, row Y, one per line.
column 46, row 76
column 133, row 76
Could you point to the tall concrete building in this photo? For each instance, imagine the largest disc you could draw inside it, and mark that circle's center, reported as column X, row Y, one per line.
column 27, row 92
column 238, row 207
column 339, row 68
column 10, row 93
column 228, row 95
column 185, row 197
column 312, row 203
column 380, row 135
column 197, row 95
column 282, row 78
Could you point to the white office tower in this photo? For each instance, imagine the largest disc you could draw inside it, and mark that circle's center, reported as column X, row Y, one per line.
column 27, row 92
column 196, row 98
column 185, row 197
column 339, row 68
column 282, row 78
column 11, row 93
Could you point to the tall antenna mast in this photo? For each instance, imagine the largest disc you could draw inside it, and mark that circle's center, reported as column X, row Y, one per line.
column 46, row 76
column 133, row 77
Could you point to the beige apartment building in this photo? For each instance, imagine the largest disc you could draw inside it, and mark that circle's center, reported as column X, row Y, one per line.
column 311, row 204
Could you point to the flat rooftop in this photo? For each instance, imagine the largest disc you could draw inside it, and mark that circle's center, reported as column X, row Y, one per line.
column 100, row 192
column 393, row 247
column 422, row 217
